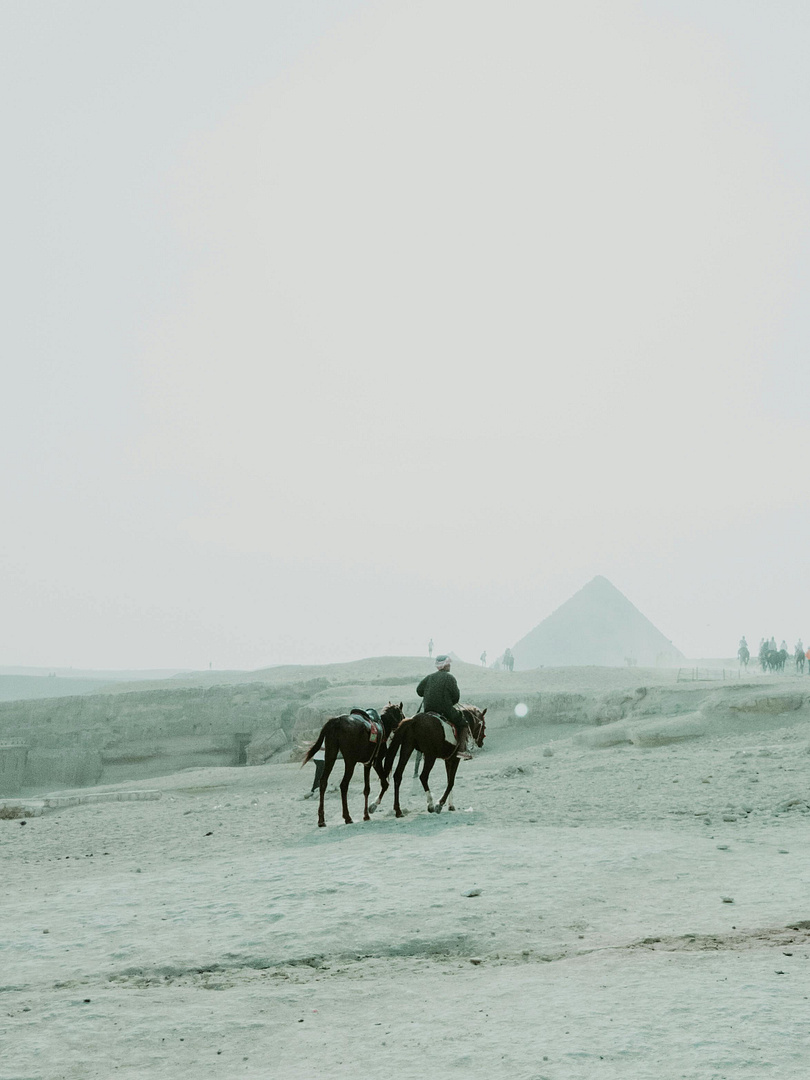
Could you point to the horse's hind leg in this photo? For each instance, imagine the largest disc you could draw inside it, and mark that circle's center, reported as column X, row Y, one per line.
column 404, row 753
column 424, row 776
column 344, row 789
column 330, row 756
column 452, row 768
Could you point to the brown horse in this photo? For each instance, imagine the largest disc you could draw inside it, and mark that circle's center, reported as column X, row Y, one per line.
column 354, row 737
column 424, row 732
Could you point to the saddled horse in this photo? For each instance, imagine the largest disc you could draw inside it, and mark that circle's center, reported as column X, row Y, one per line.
column 358, row 738
column 799, row 657
column 426, row 733
column 743, row 655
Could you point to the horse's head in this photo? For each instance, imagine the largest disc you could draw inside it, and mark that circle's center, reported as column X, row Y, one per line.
column 392, row 715
column 478, row 725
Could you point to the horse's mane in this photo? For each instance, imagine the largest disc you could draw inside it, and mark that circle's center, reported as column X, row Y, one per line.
column 469, row 709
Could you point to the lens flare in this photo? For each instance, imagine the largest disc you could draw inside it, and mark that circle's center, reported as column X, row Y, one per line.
column 521, row 709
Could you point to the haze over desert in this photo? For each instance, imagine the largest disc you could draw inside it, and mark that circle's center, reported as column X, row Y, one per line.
column 383, row 377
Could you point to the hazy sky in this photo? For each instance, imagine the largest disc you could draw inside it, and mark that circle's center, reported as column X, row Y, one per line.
column 335, row 325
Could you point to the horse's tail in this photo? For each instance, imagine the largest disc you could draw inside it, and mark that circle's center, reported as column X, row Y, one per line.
column 317, row 744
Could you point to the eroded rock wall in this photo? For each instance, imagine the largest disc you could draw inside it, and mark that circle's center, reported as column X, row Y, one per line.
column 104, row 738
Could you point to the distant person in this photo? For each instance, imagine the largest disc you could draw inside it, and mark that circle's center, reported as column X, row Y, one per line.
column 509, row 660
column 772, row 644
column 440, row 695
column 743, row 642
column 783, row 647
column 430, row 649
column 319, row 758
column 484, row 658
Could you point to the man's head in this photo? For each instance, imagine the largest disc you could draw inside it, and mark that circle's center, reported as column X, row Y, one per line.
column 443, row 663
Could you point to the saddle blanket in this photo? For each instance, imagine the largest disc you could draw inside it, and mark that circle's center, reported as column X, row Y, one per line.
column 448, row 729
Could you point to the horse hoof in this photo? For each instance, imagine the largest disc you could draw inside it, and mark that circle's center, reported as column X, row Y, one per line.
column 431, row 809
column 371, row 810
column 321, row 824
column 437, row 809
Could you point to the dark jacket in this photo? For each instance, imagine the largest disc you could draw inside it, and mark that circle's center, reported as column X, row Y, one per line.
column 441, row 693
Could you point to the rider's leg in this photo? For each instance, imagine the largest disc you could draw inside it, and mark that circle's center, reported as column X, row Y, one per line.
column 463, row 736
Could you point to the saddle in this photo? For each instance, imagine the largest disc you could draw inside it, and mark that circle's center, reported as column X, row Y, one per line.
column 371, row 718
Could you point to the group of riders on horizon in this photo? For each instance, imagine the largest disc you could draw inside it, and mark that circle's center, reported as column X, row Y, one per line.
column 773, row 659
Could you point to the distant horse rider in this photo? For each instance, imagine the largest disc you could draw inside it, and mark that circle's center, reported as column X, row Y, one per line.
column 484, row 658
column 441, row 694
column 743, row 652
column 430, row 649
column 509, row 660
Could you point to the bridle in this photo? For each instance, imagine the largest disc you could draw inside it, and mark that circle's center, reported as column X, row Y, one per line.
column 478, row 728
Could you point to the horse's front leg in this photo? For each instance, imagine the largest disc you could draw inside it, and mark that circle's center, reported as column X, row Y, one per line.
column 366, row 790
column 344, row 789
column 451, row 764
column 424, row 777
column 380, row 771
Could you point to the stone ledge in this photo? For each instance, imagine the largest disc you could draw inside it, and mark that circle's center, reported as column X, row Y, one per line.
column 37, row 807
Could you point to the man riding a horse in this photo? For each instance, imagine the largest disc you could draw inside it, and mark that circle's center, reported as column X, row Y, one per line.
column 743, row 655
column 440, row 695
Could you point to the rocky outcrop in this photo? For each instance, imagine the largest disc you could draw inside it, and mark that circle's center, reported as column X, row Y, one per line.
column 662, row 716
column 111, row 738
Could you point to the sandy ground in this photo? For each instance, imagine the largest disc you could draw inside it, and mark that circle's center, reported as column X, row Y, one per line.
column 217, row 932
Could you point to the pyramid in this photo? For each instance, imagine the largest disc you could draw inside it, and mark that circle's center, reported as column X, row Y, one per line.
column 600, row 626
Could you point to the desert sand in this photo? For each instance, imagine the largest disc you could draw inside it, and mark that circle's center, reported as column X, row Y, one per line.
column 591, row 910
